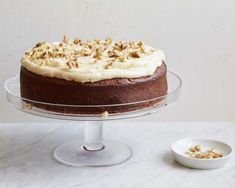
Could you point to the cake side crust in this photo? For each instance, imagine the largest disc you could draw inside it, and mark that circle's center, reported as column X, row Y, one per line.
column 114, row 91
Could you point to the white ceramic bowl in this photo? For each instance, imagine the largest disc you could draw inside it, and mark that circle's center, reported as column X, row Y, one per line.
column 181, row 146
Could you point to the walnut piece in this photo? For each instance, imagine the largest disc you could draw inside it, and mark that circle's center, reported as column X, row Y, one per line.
column 132, row 44
column 43, row 63
column 77, row 41
column 98, row 53
column 195, row 148
column 39, row 44
column 135, row 54
column 112, row 54
column 65, row 39
column 109, row 65
column 108, row 40
column 85, row 52
column 95, row 61
column 140, row 43
column 72, row 64
column 121, row 59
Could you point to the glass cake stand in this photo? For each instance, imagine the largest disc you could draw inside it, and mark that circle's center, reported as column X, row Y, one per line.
column 93, row 151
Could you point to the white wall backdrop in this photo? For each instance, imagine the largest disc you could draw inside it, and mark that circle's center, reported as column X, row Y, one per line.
column 198, row 37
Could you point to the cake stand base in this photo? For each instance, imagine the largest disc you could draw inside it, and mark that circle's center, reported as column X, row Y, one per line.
column 112, row 153
column 93, row 151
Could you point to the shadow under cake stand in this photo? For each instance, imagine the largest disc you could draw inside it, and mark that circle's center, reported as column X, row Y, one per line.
column 93, row 151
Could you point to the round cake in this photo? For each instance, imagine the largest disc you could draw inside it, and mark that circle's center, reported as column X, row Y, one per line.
column 76, row 76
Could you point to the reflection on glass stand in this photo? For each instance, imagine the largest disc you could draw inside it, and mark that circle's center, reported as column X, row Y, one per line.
column 94, row 151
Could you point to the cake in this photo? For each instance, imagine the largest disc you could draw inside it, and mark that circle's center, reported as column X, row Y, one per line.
column 69, row 75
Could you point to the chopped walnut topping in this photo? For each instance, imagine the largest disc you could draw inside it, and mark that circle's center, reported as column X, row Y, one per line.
column 142, row 49
column 123, row 46
column 90, row 46
column 97, row 41
column 117, row 47
column 26, row 53
column 34, row 55
column 140, row 44
column 51, row 55
column 135, row 54
column 61, row 55
column 121, row 59
column 77, row 41
column 195, row 152
column 98, row 53
column 105, row 114
column 132, row 44
column 44, row 55
column 109, row 65
column 72, row 64
column 120, row 46
column 109, row 40
column 65, row 39
column 95, row 60
column 70, row 50
column 85, row 52
column 43, row 63
column 76, row 52
column 55, row 50
column 39, row 44
column 112, row 54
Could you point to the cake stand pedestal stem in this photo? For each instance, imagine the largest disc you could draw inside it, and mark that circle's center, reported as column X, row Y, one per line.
column 93, row 136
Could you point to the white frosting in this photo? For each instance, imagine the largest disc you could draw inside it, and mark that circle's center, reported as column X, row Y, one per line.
column 90, row 71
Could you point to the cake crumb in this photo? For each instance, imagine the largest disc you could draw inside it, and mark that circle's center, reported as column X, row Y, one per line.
column 105, row 114
column 27, row 106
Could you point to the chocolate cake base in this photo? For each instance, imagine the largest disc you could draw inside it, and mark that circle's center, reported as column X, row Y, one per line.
column 106, row 92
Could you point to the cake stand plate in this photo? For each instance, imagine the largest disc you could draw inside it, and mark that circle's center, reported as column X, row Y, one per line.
column 92, row 151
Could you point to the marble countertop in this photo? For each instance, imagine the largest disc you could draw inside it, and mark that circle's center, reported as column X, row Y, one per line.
column 26, row 156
